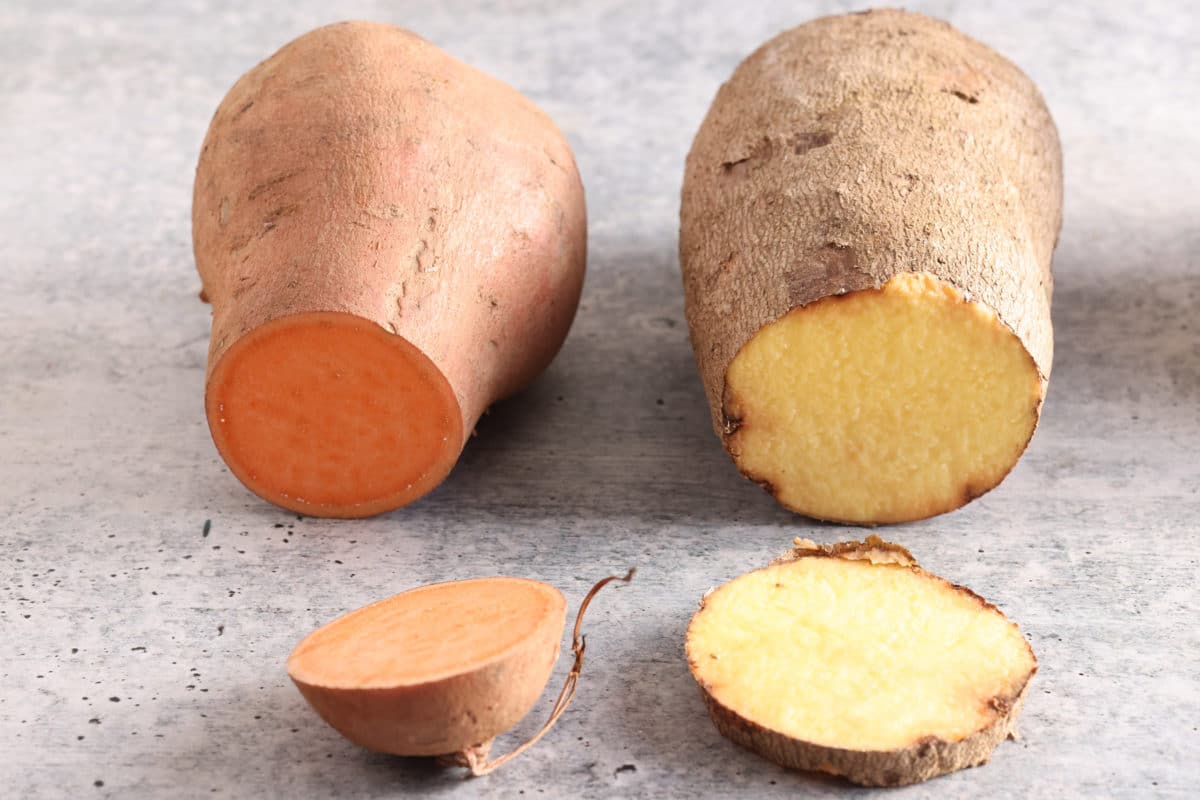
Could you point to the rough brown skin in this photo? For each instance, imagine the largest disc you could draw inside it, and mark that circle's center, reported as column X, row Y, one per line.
column 854, row 148
column 921, row 761
column 361, row 171
column 914, row 764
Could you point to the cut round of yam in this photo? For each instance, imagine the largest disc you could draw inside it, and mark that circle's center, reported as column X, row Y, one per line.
column 382, row 429
column 851, row 660
column 438, row 670
column 882, row 405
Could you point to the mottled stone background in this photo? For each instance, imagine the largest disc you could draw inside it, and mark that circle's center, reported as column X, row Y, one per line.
column 140, row 657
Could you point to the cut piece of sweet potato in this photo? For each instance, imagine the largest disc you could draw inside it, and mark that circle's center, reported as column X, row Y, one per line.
column 442, row 669
column 436, row 670
column 852, row 660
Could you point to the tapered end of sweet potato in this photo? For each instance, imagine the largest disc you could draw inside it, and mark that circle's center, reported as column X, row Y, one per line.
column 330, row 415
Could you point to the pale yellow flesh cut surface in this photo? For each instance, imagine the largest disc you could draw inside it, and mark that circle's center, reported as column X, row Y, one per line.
column 847, row 654
column 426, row 634
column 882, row 405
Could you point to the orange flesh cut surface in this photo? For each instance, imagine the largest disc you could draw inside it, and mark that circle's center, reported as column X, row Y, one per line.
column 426, row 634
column 328, row 414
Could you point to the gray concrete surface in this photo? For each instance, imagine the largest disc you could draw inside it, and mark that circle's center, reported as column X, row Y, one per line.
column 141, row 657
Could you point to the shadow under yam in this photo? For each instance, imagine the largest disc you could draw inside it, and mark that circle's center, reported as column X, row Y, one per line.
column 618, row 426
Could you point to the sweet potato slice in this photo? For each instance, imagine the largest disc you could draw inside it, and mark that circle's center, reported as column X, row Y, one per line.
column 442, row 669
column 435, row 670
column 852, row 660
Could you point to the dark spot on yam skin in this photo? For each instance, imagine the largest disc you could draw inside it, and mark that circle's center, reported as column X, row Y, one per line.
column 735, row 169
column 961, row 95
column 761, row 150
column 767, row 148
column 243, row 109
column 802, row 143
column 837, row 259
column 829, row 264
column 973, row 492
column 731, row 425
column 767, row 486
column 724, row 272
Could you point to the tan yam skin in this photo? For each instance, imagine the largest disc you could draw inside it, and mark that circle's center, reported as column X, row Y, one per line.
column 361, row 170
column 922, row 761
column 854, row 148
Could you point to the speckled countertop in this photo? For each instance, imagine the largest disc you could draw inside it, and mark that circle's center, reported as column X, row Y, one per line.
column 147, row 601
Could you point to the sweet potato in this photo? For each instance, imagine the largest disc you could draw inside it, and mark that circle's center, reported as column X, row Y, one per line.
column 442, row 669
column 850, row 659
column 391, row 241
column 868, row 217
column 434, row 670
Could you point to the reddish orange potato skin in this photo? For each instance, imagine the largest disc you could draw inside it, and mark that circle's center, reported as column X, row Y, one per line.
column 463, row 701
column 361, row 170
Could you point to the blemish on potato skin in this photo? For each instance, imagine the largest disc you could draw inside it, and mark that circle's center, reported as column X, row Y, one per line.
column 271, row 183
column 276, row 214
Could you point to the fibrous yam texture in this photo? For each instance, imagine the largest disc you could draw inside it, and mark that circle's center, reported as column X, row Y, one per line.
column 855, row 170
